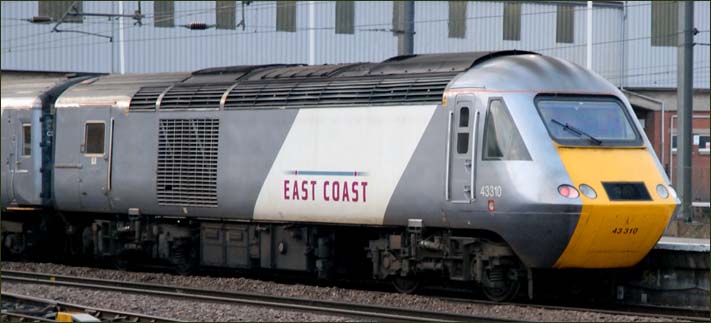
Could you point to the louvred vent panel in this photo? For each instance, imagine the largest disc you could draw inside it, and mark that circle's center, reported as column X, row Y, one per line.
column 364, row 91
column 146, row 97
column 187, row 162
column 182, row 97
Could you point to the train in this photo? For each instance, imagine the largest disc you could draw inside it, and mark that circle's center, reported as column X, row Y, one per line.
column 475, row 168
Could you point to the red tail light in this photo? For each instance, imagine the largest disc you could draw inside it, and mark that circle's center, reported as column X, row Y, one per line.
column 568, row 191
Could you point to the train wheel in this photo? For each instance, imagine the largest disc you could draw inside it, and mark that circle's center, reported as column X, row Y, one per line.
column 14, row 244
column 501, row 284
column 185, row 261
column 121, row 262
column 406, row 285
column 185, row 268
column 500, row 294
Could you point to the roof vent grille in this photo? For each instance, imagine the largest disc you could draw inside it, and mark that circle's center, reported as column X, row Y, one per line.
column 146, row 97
column 365, row 91
column 202, row 96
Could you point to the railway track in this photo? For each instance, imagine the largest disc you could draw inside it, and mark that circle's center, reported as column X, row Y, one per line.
column 649, row 311
column 20, row 308
column 298, row 304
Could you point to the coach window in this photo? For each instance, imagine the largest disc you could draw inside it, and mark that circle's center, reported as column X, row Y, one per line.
column 26, row 140
column 502, row 141
column 463, row 131
column 94, row 138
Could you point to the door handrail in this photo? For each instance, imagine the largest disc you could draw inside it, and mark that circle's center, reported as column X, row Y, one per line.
column 111, row 151
column 446, row 167
column 475, row 132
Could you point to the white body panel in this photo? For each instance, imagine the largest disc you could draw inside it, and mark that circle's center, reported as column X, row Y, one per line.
column 364, row 150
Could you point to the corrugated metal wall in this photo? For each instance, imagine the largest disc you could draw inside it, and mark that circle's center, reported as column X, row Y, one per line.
column 622, row 50
column 654, row 66
column 538, row 32
column 27, row 46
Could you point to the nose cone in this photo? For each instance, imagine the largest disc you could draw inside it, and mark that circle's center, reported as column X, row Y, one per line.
column 613, row 231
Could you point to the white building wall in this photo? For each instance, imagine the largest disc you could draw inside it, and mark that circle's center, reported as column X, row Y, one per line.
column 622, row 49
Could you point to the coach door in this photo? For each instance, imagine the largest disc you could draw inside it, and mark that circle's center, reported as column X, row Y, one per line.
column 462, row 150
column 95, row 158
column 12, row 159
column 23, row 183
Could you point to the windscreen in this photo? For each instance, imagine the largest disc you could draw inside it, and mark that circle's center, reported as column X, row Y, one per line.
column 587, row 121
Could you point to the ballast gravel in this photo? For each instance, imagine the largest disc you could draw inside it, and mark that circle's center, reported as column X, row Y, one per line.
column 184, row 310
column 192, row 311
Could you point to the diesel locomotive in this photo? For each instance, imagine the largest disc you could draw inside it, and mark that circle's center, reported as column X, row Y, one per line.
column 471, row 167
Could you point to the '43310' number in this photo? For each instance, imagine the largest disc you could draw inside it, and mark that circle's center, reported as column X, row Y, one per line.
column 625, row 230
column 491, row 191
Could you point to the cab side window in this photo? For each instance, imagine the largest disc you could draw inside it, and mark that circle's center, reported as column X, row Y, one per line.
column 94, row 138
column 502, row 141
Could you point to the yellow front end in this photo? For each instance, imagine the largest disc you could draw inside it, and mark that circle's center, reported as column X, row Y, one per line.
column 609, row 233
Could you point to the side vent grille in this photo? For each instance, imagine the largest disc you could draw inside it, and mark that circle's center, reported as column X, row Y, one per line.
column 187, row 162
column 370, row 91
column 193, row 97
column 146, row 97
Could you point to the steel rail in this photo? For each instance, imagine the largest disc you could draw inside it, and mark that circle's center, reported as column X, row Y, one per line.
column 299, row 304
column 49, row 305
column 700, row 318
column 16, row 317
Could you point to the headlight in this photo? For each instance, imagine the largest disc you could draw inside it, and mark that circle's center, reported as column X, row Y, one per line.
column 662, row 191
column 588, row 191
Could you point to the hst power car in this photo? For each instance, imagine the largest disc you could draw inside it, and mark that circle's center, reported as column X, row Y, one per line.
column 471, row 167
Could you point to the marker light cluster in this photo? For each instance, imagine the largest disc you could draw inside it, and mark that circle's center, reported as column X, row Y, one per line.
column 588, row 191
column 568, row 191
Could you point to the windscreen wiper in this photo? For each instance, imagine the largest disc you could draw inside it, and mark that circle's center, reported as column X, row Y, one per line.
column 577, row 131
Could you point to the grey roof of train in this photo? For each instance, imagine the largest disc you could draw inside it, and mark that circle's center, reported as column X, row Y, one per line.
column 523, row 70
column 119, row 89
column 23, row 93
column 533, row 73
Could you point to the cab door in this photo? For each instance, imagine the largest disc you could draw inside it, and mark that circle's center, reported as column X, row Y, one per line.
column 463, row 120
column 94, row 160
